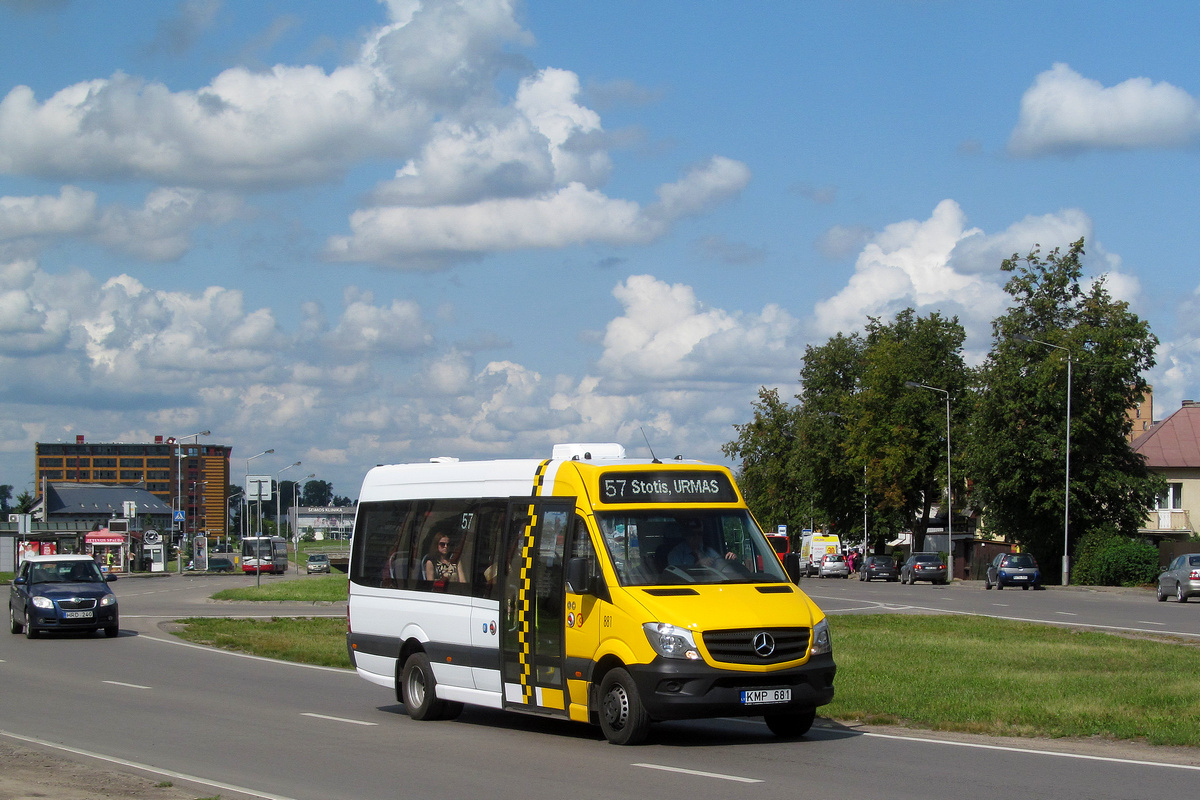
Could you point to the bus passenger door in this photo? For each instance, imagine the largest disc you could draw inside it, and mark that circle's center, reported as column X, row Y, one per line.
column 532, row 606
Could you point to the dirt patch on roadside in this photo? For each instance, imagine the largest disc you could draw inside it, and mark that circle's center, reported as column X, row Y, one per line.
column 28, row 773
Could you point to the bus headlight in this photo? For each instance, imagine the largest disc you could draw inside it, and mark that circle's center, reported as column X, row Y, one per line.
column 671, row 642
column 821, row 643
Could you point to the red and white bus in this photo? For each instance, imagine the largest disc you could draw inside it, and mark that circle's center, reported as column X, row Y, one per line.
column 264, row 554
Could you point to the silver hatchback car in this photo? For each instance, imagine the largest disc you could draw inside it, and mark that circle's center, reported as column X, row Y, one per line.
column 1181, row 579
column 834, row 566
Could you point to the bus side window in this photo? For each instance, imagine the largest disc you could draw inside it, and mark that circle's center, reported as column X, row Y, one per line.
column 485, row 578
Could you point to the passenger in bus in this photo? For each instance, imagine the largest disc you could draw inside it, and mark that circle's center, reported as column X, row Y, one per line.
column 692, row 551
column 438, row 564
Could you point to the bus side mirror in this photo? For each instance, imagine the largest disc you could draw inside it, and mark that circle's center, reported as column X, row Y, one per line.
column 577, row 576
column 791, row 563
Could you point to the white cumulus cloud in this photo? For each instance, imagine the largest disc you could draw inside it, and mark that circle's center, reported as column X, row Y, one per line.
column 1065, row 112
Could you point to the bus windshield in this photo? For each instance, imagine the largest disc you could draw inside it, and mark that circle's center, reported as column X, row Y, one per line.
column 669, row 546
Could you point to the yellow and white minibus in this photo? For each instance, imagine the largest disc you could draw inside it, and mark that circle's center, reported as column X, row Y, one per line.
column 586, row 586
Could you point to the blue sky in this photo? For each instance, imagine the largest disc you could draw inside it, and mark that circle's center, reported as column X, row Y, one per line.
column 371, row 232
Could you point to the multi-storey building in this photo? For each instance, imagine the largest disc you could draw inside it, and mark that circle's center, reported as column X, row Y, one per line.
column 189, row 477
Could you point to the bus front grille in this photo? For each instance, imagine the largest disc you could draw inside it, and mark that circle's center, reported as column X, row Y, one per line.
column 757, row 645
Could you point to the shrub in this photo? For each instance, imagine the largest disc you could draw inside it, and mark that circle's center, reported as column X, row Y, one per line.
column 1106, row 558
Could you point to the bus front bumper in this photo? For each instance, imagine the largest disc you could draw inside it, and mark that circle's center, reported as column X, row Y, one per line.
column 676, row 689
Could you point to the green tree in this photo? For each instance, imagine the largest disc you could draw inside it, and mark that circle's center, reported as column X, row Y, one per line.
column 830, row 379
column 1017, row 449
column 318, row 493
column 769, row 474
column 898, row 433
column 25, row 501
column 5, row 495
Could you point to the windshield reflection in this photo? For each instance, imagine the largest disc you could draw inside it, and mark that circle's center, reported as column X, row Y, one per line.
column 676, row 546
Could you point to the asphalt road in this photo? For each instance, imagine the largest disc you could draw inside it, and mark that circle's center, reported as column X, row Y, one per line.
column 245, row 727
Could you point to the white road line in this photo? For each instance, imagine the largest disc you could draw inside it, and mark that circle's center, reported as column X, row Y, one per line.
column 698, row 773
column 1032, row 751
column 1147, row 622
column 1066, row 614
column 127, row 685
column 165, row 773
column 337, row 719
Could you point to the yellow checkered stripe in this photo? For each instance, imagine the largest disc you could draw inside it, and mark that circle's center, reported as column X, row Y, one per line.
column 524, row 637
column 524, row 634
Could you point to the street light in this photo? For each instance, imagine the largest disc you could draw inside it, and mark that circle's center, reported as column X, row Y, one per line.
column 296, row 515
column 949, row 484
column 259, row 492
column 278, row 493
column 179, row 532
column 1066, row 561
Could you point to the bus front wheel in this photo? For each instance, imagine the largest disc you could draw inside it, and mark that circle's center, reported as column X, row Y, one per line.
column 790, row 726
column 420, row 691
column 623, row 718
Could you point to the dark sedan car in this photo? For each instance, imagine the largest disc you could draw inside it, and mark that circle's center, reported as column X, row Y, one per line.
column 62, row 593
column 923, row 567
column 1013, row 569
column 881, row 567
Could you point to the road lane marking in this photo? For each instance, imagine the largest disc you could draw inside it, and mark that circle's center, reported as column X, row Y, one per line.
column 698, row 773
column 1066, row 614
column 127, row 685
column 1032, row 751
column 1147, row 622
column 165, row 773
column 336, row 719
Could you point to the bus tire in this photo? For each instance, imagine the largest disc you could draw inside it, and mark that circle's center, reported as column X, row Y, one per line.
column 623, row 718
column 420, row 689
column 790, row 726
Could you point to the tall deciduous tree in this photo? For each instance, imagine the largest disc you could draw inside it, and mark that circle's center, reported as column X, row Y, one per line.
column 899, row 433
column 1017, row 452
column 770, row 475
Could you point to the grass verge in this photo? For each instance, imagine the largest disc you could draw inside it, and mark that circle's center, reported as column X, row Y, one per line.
column 952, row 673
column 323, row 588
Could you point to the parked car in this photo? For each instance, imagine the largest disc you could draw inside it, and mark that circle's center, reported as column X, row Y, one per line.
column 62, row 593
column 878, row 567
column 1013, row 569
column 317, row 562
column 923, row 567
column 833, row 566
column 1182, row 578
column 220, row 565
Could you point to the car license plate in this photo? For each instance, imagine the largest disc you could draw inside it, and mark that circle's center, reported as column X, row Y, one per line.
column 1020, row 577
column 77, row 614
column 757, row 697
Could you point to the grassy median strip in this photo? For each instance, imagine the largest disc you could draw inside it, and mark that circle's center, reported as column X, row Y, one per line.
column 310, row 589
column 951, row 673
column 302, row 639
column 1002, row 678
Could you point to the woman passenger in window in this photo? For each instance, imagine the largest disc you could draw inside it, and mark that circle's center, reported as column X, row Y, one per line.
column 438, row 564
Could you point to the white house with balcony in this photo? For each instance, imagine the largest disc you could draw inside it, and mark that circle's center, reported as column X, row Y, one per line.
column 1171, row 449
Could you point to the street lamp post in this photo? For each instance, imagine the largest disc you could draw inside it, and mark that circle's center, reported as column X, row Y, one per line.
column 296, row 514
column 278, row 493
column 179, row 530
column 949, row 483
column 1066, row 559
column 259, row 492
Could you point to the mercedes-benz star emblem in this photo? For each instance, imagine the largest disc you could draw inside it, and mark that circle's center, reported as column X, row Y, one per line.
column 764, row 644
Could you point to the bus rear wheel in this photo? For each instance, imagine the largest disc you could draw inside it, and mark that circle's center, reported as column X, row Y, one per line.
column 420, row 691
column 623, row 718
column 790, row 726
